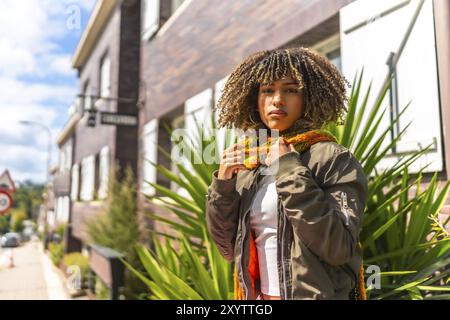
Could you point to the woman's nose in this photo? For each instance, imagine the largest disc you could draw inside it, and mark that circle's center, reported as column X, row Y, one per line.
column 278, row 99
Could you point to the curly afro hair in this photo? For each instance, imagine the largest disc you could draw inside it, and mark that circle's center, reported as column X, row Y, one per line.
column 322, row 85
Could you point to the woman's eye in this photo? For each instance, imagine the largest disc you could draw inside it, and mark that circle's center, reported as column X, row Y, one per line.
column 266, row 90
column 292, row 90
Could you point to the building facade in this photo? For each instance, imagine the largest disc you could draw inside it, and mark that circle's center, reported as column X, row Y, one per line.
column 185, row 63
column 166, row 61
column 107, row 60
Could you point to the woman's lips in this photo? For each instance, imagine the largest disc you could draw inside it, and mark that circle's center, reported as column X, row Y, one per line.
column 277, row 114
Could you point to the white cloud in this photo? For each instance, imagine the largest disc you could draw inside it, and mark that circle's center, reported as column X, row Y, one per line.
column 33, row 53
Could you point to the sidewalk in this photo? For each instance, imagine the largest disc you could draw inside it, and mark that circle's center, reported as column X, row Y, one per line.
column 33, row 278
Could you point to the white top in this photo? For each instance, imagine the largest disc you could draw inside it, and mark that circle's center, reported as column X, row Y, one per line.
column 263, row 221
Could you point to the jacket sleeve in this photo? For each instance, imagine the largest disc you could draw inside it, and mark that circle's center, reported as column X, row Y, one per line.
column 326, row 217
column 222, row 214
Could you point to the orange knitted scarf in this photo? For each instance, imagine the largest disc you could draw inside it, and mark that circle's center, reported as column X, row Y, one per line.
column 301, row 142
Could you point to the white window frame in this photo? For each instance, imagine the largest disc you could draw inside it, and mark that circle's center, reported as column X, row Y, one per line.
column 150, row 152
column 150, row 18
column 103, row 171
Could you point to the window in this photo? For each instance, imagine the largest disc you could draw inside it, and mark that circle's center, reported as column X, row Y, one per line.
column 105, row 77
column 331, row 48
column 150, row 152
column 370, row 32
column 87, row 178
column 150, row 18
column 75, row 182
column 103, row 173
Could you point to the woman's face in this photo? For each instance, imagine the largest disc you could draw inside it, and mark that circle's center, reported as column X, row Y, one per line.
column 280, row 103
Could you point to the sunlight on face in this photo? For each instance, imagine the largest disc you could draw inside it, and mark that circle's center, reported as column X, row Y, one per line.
column 280, row 104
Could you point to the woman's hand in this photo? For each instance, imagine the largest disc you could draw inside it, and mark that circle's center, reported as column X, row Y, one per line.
column 279, row 148
column 231, row 162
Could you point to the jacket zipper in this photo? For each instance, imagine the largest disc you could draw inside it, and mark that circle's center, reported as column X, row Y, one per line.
column 242, row 250
column 344, row 207
column 282, row 246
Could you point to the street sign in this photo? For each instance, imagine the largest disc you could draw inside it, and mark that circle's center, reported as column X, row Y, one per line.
column 6, row 183
column 5, row 202
column 117, row 119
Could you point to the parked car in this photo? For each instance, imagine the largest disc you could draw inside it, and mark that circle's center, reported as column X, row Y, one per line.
column 10, row 240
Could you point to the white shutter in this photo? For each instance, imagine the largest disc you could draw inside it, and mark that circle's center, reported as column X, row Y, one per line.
column 75, row 182
column 87, row 178
column 68, row 163
column 60, row 209
column 150, row 18
column 87, row 102
column 150, row 153
column 64, row 212
column 103, row 173
column 370, row 31
column 197, row 114
column 105, row 77
column 198, row 108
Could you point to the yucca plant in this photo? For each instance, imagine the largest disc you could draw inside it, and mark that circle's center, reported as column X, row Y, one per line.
column 401, row 235
column 188, row 265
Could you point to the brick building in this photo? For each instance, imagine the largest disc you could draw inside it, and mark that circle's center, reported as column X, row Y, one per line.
column 170, row 59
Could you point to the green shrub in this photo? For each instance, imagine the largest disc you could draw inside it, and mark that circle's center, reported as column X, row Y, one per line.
column 60, row 230
column 118, row 227
column 18, row 216
column 56, row 252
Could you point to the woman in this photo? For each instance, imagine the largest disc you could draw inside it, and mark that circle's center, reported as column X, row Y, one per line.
column 292, row 233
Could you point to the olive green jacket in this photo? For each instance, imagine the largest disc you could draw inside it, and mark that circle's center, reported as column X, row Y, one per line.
column 321, row 199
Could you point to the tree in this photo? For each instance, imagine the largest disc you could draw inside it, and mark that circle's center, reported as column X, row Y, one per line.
column 118, row 226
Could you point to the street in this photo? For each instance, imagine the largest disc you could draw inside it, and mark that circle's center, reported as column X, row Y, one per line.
column 33, row 276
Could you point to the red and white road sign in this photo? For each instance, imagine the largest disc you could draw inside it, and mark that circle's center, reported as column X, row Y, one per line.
column 5, row 201
column 6, row 183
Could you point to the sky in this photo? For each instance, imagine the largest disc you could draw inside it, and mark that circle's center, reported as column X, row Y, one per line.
column 37, row 83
